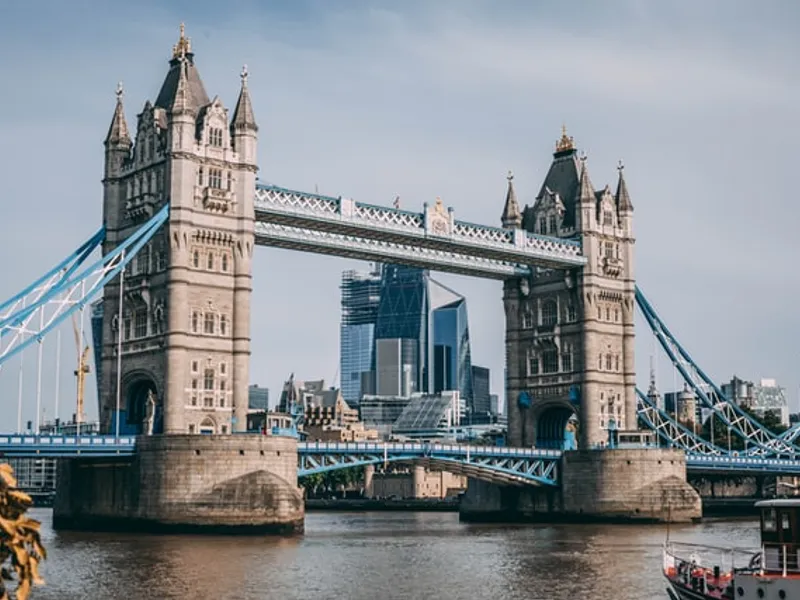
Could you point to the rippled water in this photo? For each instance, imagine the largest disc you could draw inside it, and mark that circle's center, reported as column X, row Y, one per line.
column 376, row 556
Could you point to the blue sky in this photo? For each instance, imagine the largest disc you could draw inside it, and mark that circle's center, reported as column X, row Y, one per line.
column 425, row 99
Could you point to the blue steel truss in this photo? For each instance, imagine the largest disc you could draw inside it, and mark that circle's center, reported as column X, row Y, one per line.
column 510, row 466
column 57, row 297
column 759, row 440
column 65, row 446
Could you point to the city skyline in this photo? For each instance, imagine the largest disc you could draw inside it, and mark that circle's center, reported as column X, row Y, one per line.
column 692, row 181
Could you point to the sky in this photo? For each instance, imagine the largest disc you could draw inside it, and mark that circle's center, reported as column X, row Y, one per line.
column 370, row 99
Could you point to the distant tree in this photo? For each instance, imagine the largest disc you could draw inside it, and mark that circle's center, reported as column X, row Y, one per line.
column 21, row 548
column 331, row 481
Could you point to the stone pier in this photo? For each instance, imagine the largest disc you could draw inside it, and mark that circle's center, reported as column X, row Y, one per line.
column 186, row 483
column 624, row 485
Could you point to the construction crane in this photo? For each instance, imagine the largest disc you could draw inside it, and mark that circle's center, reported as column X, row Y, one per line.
column 80, row 373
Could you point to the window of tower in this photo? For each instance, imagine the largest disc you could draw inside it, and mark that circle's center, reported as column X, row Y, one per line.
column 543, row 226
column 224, row 262
column 196, row 259
column 208, row 324
column 600, row 362
column 210, row 261
column 549, row 313
column 195, row 325
column 215, row 178
column 616, row 315
column 608, row 314
column 608, row 217
column 195, row 386
column 550, row 361
column 609, row 250
column 572, row 313
column 151, row 146
column 566, row 360
column 140, row 324
column 215, row 137
column 533, row 363
column 208, row 380
column 599, row 314
column 230, row 181
column 222, row 368
column 223, row 325
column 553, row 225
column 616, row 362
column 608, row 362
column 527, row 319
column 126, row 327
column 200, row 176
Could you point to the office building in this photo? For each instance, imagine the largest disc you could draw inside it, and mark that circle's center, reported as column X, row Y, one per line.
column 770, row 397
column 361, row 293
column 257, row 398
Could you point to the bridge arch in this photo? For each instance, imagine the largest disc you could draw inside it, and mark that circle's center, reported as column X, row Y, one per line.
column 556, row 424
column 136, row 386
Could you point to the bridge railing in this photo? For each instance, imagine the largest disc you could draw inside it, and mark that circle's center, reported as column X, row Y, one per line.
column 421, row 448
column 68, row 441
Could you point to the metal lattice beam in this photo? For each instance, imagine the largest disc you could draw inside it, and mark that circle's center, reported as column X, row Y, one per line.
column 760, row 440
column 70, row 293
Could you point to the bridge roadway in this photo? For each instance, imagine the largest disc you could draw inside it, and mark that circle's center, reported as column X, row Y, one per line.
column 497, row 464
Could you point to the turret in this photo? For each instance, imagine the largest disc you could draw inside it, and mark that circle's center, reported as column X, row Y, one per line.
column 623, row 201
column 585, row 200
column 243, row 125
column 118, row 141
column 512, row 217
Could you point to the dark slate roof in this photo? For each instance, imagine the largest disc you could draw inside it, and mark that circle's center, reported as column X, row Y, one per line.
column 511, row 214
column 118, row 131
column 196, row 96
column 243, row 117
column 563, row 178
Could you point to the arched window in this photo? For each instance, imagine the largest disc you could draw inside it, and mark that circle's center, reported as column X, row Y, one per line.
column 533, row 363
column 549, row 312
column 553, row 225
column 200, row 175
column 195, row 322
column 599, row 314
column 608, row 362
column 600, row 362
column 230, row 181
column 196, row 259
column 616, row 362
column 207, row 427
column 550, row 361
column 208, row 323
column 210, row 261
column 224, row 261
column 543, row 226
column 208, row 380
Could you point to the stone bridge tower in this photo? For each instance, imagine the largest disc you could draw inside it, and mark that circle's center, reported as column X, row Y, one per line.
column 186, row 296
column 570, row 334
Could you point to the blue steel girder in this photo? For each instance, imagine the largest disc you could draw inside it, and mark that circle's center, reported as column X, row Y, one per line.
column 672, row 432
column 345, row 217
column 29, row 324
column 741, row 465
column 760, row 440
column 65, row 446
column 510, row 466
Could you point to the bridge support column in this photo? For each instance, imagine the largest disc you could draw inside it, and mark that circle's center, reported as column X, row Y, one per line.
column 621, row 485
column 186, row 483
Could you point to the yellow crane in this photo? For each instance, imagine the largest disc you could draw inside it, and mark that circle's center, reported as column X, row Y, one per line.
column 80, row 373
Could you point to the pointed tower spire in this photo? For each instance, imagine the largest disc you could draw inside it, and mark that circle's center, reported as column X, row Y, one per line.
column 512, row 217
column 622, row 197
column 118, row 131
column 243, row 118
column 180, row 103
column 586, row 193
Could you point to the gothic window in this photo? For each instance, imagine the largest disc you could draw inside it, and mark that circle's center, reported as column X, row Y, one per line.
column 140, row 324
column 208, row 323
column 616, row 315
column 533, row 363
column 126, row 327
column 215, row 178
column 608, row 314
column 196, row 259
column 224, row 429
column 210, row 261
column 599, row 314
column 223, row 325
column 608, row 217
column 222, row 385
column 215, row 137
column 151, row 146
column 549, row 313
column 191, row 427
column 608, row 362
column 195, row 386
column 550, row 361
column 527, row 319
column 616, row 362
column 222, row 368
column 600, row 362
column 566, row 360
column 195, row 327
column 195, row 366
column 543, row 226
column 208, row 380
column 222, row 402
column 161, row 259
column 208, row 402
column 553, row 224
column 609, row 250
column 230, row 181
column 572, row 313
column 200, row 176
column 224, row 262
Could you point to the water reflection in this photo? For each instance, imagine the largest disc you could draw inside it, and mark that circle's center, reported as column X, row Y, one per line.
column 391, row 556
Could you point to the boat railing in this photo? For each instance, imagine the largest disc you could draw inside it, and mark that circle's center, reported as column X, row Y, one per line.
column 706, row 568
column 780, row 558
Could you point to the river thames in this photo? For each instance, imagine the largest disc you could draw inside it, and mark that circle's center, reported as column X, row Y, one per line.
column 376, row 555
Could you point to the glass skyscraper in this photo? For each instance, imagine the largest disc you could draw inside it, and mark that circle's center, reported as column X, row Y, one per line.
column 361, row 294
column 451, row 346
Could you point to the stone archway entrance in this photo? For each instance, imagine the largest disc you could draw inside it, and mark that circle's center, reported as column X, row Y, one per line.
column 557, row 427
column 207, row 427
column 136, row 406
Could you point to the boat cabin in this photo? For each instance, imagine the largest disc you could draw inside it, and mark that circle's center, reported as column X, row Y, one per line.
column 780, row 535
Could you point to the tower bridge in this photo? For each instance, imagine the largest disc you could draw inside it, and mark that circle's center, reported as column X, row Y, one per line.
column 182, row 214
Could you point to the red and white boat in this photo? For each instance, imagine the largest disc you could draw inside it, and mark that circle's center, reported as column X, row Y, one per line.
column 697, row 572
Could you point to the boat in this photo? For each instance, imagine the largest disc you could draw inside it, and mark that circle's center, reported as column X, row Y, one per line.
column 696, row 572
